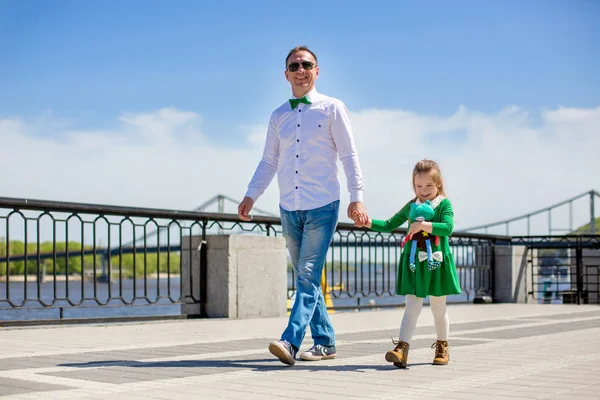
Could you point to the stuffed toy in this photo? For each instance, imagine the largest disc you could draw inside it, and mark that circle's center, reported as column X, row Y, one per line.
column 422, row 240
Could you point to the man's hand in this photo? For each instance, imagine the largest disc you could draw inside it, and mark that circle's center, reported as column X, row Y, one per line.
column 360, row 223
column 244, row 209
column 358, row 213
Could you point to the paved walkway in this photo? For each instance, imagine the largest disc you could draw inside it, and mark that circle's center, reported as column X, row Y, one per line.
column 503, row 351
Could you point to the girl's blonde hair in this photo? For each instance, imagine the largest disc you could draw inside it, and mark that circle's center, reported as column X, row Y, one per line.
column 430, row 167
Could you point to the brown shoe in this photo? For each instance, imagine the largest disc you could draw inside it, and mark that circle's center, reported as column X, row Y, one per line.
column 398, row 356
column 442, row 356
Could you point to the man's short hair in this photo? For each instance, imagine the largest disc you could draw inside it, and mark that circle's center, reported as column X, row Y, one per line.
column 297, row 49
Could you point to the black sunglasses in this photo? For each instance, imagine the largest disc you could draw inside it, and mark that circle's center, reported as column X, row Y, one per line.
column 295, row 66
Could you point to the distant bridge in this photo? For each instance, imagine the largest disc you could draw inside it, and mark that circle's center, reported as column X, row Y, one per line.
column 591, row 228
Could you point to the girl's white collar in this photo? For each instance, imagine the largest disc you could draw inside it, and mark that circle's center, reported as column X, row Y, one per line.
column 434, row 203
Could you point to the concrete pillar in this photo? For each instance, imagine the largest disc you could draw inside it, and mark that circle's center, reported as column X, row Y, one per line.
column 246, row 275
column 190, row 275
column 511, row 280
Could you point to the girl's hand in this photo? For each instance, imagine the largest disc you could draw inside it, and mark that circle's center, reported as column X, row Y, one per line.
column 361, row 219
column 415, row 227
column 419, row 226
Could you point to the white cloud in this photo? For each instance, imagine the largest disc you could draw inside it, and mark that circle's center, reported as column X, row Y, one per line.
column 160, row 159
column 495, row 165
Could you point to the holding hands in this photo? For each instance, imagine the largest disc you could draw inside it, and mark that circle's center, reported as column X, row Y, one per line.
column 358, row 213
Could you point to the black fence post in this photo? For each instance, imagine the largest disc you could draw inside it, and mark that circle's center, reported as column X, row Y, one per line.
column 579, row 266
column 493, row 270
column 203, row 270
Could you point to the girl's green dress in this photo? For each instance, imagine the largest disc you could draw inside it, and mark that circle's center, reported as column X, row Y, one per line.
column 443, row 280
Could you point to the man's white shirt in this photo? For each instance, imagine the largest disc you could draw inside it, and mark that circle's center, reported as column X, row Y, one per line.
column 302, row 147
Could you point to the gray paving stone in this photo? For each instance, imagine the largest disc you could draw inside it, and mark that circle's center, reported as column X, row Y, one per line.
column 512, row 362
column 521, row 396
column 462, row 396
column 11, row 390
column 18, row 386
column 516, row 333
column 19, row 363
column 393, row 333
column 584, row 314
column 241, row 345
column 586, row 392
column 94, row 356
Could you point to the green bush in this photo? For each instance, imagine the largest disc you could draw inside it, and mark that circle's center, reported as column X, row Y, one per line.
column 76, row 264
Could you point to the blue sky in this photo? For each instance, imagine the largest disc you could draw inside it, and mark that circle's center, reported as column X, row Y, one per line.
column 89, row 61
column 504, row 94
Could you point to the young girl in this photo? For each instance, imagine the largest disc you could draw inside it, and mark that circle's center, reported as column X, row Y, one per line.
column 420, row 277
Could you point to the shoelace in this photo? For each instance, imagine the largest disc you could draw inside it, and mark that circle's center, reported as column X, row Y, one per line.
column 289, row 346
column 318, row 348
column 397, row 344
column 440, row 350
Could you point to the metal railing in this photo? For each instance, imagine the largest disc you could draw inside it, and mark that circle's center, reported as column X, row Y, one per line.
column 563, row 269
column 361, row 268
column 72, row 260
column 84, row 258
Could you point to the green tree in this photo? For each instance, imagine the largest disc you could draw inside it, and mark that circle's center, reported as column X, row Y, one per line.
column 76, row 264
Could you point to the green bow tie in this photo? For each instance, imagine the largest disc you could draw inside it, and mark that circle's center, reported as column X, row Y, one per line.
column 294, row 102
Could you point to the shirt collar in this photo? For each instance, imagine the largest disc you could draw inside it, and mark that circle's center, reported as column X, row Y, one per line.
column 312, row 96
column 434, row 203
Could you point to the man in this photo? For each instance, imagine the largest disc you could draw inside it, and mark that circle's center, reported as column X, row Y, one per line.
column 304, row 138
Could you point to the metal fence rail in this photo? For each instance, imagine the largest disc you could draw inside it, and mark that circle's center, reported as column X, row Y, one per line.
column 82, row 260
column 563, row 269
column 361, row 268
column 101, row 261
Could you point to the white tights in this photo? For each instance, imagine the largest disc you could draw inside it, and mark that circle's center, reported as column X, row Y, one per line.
column 413, row 308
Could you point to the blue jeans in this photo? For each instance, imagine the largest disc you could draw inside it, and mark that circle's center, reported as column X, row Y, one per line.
column 308, row 235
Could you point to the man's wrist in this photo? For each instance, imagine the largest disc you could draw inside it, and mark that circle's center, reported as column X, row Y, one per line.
column 356, row 197
column 251, row 194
